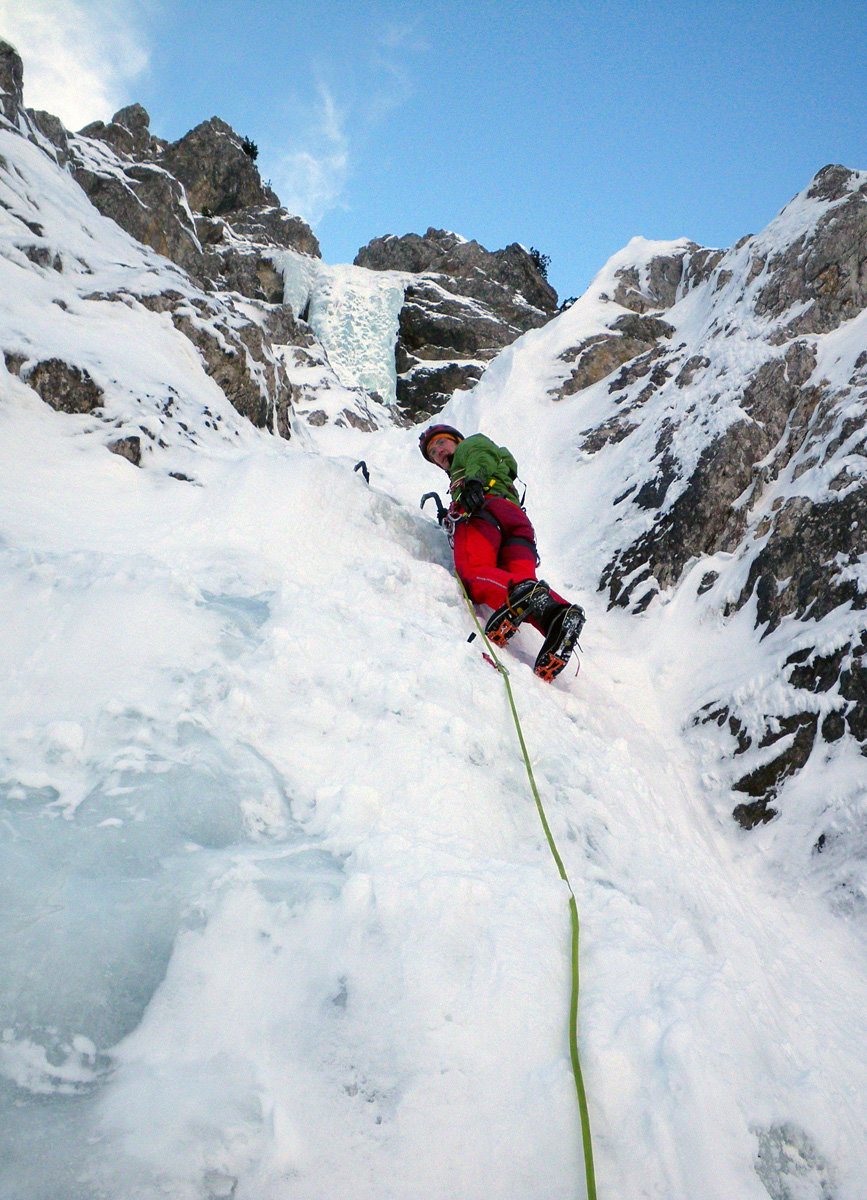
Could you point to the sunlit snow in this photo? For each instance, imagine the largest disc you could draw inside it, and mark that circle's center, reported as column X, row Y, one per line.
column 278, row 917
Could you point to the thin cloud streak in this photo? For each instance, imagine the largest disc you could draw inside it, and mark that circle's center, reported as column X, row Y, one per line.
column 311, row 178
column 80, row 56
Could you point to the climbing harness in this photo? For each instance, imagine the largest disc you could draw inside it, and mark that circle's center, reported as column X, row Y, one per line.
column 449, row 523
column 491, row 657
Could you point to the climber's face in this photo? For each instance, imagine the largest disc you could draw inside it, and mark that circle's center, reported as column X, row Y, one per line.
column 441, row 451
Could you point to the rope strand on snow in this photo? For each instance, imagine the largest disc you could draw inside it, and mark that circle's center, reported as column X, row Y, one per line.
column 492, row 658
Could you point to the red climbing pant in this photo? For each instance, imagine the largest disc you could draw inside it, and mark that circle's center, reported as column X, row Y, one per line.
column 486, row 558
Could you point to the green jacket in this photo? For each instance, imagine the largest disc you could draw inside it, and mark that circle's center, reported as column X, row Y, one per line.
column 477, row 457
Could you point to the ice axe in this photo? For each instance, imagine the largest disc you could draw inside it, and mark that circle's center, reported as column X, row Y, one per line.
column 442, row 511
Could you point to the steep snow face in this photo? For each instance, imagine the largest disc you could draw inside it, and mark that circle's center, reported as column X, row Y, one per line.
column 270, row 865
column 269, row 838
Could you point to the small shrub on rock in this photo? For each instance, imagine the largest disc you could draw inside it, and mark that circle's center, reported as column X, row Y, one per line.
column 540, row 261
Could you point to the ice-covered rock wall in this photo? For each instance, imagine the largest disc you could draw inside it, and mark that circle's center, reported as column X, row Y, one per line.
column 354, row 313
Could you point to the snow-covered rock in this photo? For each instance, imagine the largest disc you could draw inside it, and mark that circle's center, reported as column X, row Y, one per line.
column 224, row 296
column 11, row 82
column 721, row 435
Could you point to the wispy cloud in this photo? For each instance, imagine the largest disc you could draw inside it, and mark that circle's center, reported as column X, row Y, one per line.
column 394, row 45
column 310, row 178
column 80, row 56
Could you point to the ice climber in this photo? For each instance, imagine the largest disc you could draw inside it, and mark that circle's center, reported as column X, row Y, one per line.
column 495, row 545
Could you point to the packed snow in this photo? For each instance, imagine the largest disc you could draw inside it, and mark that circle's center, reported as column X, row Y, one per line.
column 279, row 919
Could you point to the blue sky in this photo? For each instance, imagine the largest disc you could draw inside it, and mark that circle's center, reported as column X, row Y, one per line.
column 570, row 127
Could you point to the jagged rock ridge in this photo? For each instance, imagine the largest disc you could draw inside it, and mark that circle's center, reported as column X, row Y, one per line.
column 465, row 305
column 201, row 203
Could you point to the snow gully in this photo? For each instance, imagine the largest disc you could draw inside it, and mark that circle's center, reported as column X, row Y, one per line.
column 586, row 1139
column 491, row 656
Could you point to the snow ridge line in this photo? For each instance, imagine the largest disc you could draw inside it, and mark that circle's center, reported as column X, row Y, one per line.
column 586, row 1139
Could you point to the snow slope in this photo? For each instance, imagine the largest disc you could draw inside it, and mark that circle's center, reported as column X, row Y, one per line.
column 281, row 912
column 278, row 919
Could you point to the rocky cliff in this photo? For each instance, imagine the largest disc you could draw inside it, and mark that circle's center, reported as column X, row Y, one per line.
column 200, row 204
column 746, row 391
column 463, row 304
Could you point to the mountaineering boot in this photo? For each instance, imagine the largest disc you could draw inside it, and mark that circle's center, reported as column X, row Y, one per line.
column 526, row 598
column 564, row 629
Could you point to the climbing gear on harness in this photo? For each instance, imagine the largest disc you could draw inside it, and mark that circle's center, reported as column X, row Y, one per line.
column 428, row 435
column 526, row 598
column 586, row 1140
column 561, row 638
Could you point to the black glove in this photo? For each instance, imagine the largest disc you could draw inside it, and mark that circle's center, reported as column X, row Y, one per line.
column 473, row 496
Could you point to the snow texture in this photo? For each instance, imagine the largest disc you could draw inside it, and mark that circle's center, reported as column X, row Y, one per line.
column 278, row 916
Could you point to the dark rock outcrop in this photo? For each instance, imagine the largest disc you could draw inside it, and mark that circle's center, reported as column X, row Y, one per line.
column 128, row 133
column 237, row 249
column 666, row 276
column 600, row 355
column 218, row 174
column 144, row 200
column 11, row 82
column 271, row 225
column 149, row 186
column 704, row 518
column 128, row 447
column 780, row 479
column 236, row 353
column 494, row 277
column 825, row 270
column 66, row 388
column 467, row 304
column 436, row 324
column 49, row 132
